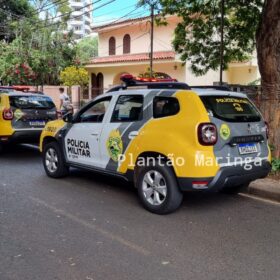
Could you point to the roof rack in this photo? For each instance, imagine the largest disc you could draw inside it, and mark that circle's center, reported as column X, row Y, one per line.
column 129, row 81
column 223, row 88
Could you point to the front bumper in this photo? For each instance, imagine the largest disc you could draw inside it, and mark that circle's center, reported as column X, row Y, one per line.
column 227, row 177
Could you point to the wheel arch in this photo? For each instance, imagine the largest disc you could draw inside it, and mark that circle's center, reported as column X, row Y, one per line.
column 47, row 140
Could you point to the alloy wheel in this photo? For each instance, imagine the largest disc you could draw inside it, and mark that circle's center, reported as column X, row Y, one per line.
column 154, row 187
column 51, row 160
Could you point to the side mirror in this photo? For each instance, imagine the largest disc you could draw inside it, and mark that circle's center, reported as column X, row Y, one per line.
column 68, row 117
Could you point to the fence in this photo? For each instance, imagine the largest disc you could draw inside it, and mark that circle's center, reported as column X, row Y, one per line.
column 253, row 92
column 269, row 109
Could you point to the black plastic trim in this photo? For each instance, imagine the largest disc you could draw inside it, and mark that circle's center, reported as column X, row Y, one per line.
column 229, row 176
column 24, row 136
column 128, row 176
column 246, row 139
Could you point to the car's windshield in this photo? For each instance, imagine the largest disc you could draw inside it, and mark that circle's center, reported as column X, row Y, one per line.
column 231, row 109
column 31, row 102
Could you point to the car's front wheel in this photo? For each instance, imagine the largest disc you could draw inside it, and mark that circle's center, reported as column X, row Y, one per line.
column 158, row 189
column 53, row 161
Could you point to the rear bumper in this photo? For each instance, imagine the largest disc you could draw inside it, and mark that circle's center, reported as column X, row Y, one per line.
column 227, row 177
column 23, row 136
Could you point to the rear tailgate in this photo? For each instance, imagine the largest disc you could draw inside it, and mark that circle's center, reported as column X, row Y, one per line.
column 31, row 112
column 241, row 129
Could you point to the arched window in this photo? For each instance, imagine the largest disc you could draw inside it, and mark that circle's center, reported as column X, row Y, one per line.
column 94, row 91
column 112, row 46
column 100, row 83
column 126, row 44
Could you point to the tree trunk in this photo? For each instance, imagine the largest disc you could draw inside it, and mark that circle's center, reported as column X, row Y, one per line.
column 268, row 48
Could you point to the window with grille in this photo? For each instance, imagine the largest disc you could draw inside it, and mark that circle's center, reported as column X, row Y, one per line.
column 112, row 46
column 126, row 44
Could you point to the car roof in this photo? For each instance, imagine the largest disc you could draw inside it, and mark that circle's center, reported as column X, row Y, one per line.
column 21, row 93
column 213, row 91
column 198, row 91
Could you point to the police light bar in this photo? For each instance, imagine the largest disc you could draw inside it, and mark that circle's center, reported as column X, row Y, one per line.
column 127, row 78
column 130, row 81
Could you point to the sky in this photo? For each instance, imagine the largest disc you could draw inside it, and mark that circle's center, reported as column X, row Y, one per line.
column 116, row 10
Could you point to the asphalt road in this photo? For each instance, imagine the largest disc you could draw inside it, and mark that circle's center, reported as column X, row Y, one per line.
column 89, row 226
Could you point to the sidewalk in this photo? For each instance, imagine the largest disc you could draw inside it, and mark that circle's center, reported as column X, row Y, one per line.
column 265, row 188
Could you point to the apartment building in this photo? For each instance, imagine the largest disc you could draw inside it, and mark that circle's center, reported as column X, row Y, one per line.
column 81, row 18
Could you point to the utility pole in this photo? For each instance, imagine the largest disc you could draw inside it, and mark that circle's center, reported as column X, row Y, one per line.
column 152, row 39
column 222, row 41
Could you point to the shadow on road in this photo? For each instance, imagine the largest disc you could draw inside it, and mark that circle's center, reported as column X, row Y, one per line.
column 18, row 152
column 191, row 199
column 22, row 154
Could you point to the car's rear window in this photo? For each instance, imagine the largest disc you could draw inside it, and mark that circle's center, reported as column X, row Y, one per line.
column 231, row 109
column 31, row 102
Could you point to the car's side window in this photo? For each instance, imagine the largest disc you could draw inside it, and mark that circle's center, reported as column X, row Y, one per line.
column 129, row 108
column 96, row 112
column 165, row 106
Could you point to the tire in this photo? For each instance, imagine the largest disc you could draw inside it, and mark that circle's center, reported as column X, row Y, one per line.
column 53, row 161
column 158, row 189
column 1, row 148
column 235, row 189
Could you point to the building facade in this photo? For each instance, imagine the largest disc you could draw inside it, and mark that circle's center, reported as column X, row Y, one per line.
column 81, row 18
column 124, row 47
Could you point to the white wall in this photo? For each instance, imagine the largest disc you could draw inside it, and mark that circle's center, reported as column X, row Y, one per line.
column 140, row 42
column 208, row 79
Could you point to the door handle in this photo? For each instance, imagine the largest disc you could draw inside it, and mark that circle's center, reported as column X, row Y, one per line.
column 95, row 135
column 133, row 134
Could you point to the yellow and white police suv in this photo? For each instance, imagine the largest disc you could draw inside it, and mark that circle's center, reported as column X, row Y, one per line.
column 23, row 116
column 167, row 138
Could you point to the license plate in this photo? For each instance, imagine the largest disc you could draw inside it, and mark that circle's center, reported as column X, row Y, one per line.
column 37, row 123
column 248, row 148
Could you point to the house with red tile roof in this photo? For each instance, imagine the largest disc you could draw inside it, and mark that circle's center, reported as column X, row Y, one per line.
column 124, row 47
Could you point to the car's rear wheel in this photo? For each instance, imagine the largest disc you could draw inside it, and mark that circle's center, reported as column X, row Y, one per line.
column 53, row 161
column 158, row 189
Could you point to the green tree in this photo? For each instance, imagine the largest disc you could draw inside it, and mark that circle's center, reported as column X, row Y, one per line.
column 197, row 37
column 53, row 7
column 73, row 75
column 248, row 25
column 45, row 51
column 87, row 48
column 38, row 44
column 11, row 11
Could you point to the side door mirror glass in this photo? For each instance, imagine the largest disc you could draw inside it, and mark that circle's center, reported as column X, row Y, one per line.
column 68, row 117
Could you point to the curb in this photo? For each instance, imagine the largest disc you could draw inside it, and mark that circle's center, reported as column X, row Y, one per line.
column 265, row 188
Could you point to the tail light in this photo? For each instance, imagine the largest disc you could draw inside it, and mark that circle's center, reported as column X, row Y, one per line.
column 267, row 130
column 207, row 134
column 200, row 185
column 8, row 114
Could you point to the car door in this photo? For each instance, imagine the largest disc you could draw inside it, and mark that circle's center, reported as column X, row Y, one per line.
column 122, row 127
column 83, row 138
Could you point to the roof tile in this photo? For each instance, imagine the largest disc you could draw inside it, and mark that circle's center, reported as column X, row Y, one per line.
column 133, row 57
